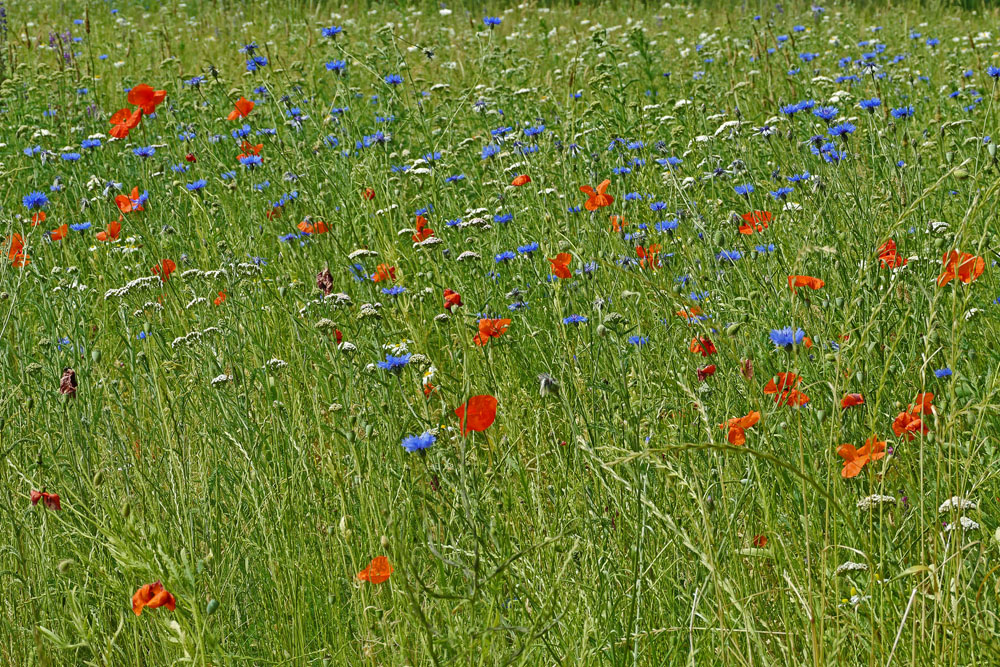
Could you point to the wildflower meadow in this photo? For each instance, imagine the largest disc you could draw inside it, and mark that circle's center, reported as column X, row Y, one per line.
column 511, row 334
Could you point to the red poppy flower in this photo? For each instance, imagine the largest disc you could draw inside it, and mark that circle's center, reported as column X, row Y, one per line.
column 15, row 252
column 377, row 572
column 908, row 424
column 110, row 232
column 50, row 500
column 37, row 218
column 124, row 121
column 147, row 99
column 888, row 256
column 368, row 194
column 190, row 157
column 152, row 596
column 423, row 231
column 219, row 300
column 755, row 221
column 702, row 346
column 804, row 281
column 477, row 414
column 313, row 227
column 59, row 233
column 850, row 400
column 785, row 391
column 856, row 459
column 598, row 199
column 706, row 372
column 689, row 313
column 129, row 203
column 241, row 109
column 384, row 272
column 737, row 427
column 521, row 180
column 164, row 269
column 560, row 265
column 960, row 265
column 451, row 299
column 922, row 404
column 648, row 257
column 617, row 223
column 759, row 541
column 490, row 329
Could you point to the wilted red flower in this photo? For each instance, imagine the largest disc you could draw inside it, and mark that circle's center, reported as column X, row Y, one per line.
column 152, row 596
column 67, row 383
column 324, row 281
column 759, row 541
column 477, row 414
column 50, row 500
column 377, row 572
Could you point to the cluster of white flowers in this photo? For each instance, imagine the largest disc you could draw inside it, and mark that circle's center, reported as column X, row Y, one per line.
column 139, row 284
column 221, row 379
column 957, row 503
column 194, row 337
column 338, row 300
column 275, row 364
column 850, row 566
column 874, row 500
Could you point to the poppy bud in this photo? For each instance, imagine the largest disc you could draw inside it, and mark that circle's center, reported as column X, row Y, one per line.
column 95, row 355
column 98, row 478
column 213, row 605
column 991, row 148
column 385, row 542
column 190, row 157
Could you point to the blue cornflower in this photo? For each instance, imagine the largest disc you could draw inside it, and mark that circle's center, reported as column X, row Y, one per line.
column 336, row 66
column 194, row 81
column 870, row 105
column 179, row 168
column 332, row 31
column 842, row 129
column 787, row 336
column 80, row 227
column 256, row 63
column 456, row 177
column 632, row 196
column 241, row 132
column 70, row 157
column 249, row 49
column 528, row 249
column 505, row 256
column 826, row 113
column 993, row 71
column 227, row 175
column 503, row 218
column 730, row 255
column 942, row 373
column 765, row 249
column 492, row 21
column 142, row 335
column 197, row 185
column 657, row 206
column 744, row 190
column 666, row 225
column 781, row 193
column 250, row 161
column 415, row 443
column 34, row 200
column 638, row 341
column 393, row 79
column 902, row 112
column 395, row 290
column 533, row 131
column 394, row 364
column 143, row 151
column 260, row 187
column 575, row 319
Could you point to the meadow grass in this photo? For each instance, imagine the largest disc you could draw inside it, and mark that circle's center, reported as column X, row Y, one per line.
column 232, row 434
